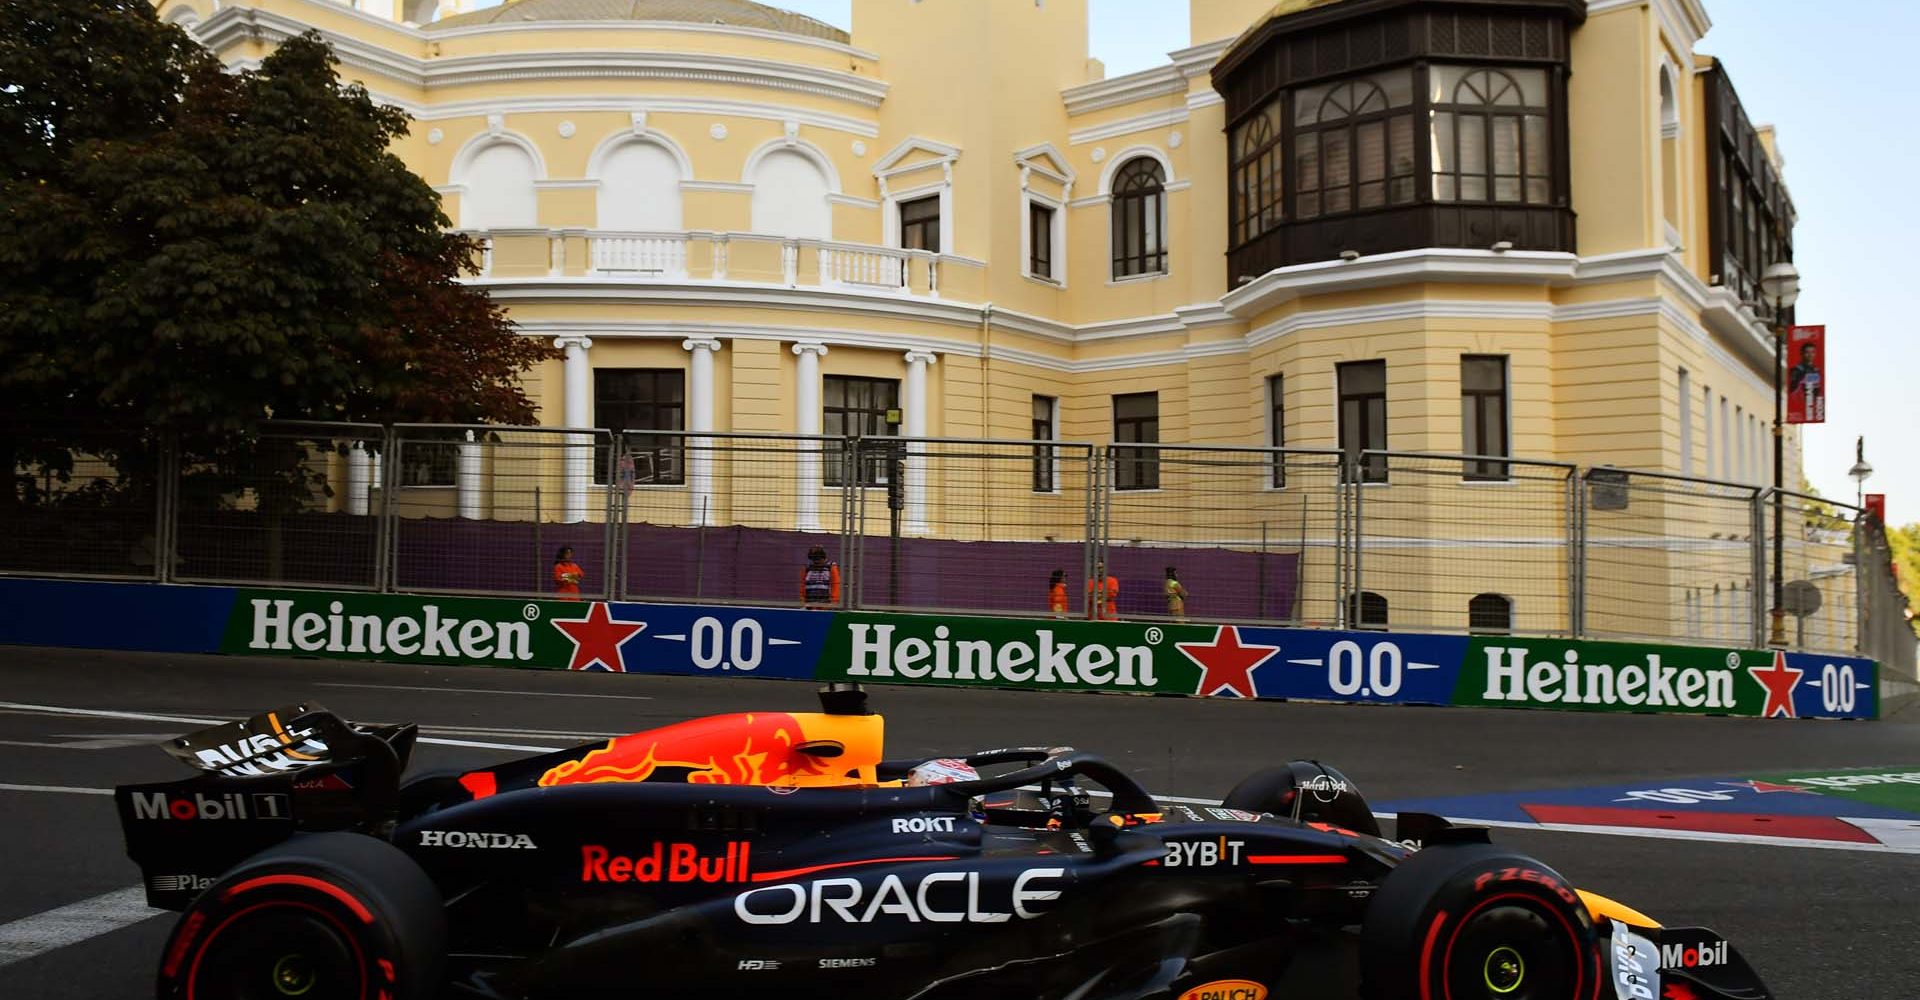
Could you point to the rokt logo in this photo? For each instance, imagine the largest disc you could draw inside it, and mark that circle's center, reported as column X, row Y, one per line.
column 230, row 805
column 924, row 824
column 487, row 841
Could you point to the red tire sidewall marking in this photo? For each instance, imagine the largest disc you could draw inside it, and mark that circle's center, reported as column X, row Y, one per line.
column 1426, row 955
column 359, row 957
column 1573, row 938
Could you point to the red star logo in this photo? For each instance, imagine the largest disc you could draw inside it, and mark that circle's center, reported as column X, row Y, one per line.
column 1225, row 663
column 1769, row 786
column 597, row 638
column 1779, row 680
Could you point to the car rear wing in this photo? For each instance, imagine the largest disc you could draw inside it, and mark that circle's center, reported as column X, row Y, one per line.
column 260, row 780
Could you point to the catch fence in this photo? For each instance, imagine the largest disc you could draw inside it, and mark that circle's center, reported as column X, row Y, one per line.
column 1162, row 532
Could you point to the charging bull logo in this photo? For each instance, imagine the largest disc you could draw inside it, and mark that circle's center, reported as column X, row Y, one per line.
column 748, row 749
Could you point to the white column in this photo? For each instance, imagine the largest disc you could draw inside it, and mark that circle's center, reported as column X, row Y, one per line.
column 359, row 477
column 807, row 394
column 914, row 425
column 576, row 410
column 700, row 421
column 466, row 478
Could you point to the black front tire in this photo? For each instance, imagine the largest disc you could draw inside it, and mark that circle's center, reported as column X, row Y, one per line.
column 327, row 916
column 1477, row 922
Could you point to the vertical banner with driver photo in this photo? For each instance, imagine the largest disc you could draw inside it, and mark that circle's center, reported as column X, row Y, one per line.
column 1807, row 375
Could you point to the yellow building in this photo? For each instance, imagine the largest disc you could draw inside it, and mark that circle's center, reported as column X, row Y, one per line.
column 1530, row 228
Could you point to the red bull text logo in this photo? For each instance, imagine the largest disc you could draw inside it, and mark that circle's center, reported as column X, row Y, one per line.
column 665, row 863
column 745, row 749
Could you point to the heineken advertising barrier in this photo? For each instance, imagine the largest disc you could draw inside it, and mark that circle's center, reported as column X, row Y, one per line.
column 951, row 650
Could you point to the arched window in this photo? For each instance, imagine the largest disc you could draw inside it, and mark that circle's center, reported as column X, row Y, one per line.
column 1490, row 614
column 1353, row 145
column 790, row 196
column 1139, row 218
column 1258, row 194
column 1669, row 152
column 1366, row 609
column 499, row 189
column 639, row 188
column 1491, row 135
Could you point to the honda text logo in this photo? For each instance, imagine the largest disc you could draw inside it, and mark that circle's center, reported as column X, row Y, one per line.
column 483, row 840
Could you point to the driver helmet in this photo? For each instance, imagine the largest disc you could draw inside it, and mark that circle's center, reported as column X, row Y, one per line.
column 943, row 771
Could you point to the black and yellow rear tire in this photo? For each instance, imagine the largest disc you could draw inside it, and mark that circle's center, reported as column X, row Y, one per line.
column 1477, row 922
column 331, row 916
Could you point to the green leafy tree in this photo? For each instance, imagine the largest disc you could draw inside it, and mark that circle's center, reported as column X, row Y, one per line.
column 186, row 252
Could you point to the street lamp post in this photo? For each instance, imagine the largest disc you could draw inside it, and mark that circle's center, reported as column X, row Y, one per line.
column 1860, row 471
column 1781, row 284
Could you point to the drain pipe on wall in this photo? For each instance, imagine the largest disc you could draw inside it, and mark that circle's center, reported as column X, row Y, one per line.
column 986, row 358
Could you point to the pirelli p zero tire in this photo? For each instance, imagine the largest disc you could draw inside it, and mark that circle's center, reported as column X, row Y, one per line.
column 328, row 916
column 1476, row 922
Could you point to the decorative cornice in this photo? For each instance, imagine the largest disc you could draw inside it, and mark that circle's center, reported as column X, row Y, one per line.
column 652, row 105
column 561, row 185
column 1127, row 126
column 852, row 200
column 234, row 25
column 601, row 27
column 1160, row 81
column 730, row 187
column 889, row 163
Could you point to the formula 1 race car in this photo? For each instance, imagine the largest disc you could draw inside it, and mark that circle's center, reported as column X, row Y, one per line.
column 780, row 854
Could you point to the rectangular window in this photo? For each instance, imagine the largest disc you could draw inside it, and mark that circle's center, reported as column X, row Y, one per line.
column 1483, row 414
column 920, row 224
column 1726, row 443
column 1363, row 415
column 640, row 399
column 1491, row 135
column 1136, row 420
column 427, row 463
column 1039, row 240
column 1045, row 411
column 1740, row 443
column 1686, row 424
column 1706, row 428
column 1277, row 426
column 858, row 406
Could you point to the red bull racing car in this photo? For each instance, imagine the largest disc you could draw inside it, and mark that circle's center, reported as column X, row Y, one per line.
column 781, row 854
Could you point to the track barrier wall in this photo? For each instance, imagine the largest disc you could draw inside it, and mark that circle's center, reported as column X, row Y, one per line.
column 1169, row 658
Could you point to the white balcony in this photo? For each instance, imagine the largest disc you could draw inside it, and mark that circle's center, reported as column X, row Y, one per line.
column 743, row 258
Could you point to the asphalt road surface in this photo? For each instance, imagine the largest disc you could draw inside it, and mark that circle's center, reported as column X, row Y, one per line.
column 1815, row 923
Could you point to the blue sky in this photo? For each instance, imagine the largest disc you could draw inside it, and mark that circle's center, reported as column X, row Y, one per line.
column 1836, row 78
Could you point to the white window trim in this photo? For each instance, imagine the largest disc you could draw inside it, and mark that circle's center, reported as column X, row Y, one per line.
column 890, row 211
column 1058, row 279
column 1114, row 164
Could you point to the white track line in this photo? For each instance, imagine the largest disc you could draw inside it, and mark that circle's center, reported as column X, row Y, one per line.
column 530, row 694
column 68, row 789
column 73, row 923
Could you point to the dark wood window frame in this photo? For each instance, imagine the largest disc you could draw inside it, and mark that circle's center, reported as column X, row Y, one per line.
column 1277, row 426
column 1040, row 217
column 1046, row 411
column 1485, row 416
column 1256, row 189
column 1136, row 468
column 861, row 408
column 1366, row 609
column 1343, row 117
column 429, row 463
column 1492, row 99
column 1139, row 219
column 1363, row 412
column 652, row 399
column 920, row 223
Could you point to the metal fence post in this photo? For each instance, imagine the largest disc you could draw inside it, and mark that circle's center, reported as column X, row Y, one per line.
column 852, row 541
column 1757, row 633
column 166, row 509
column 1576, row 557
